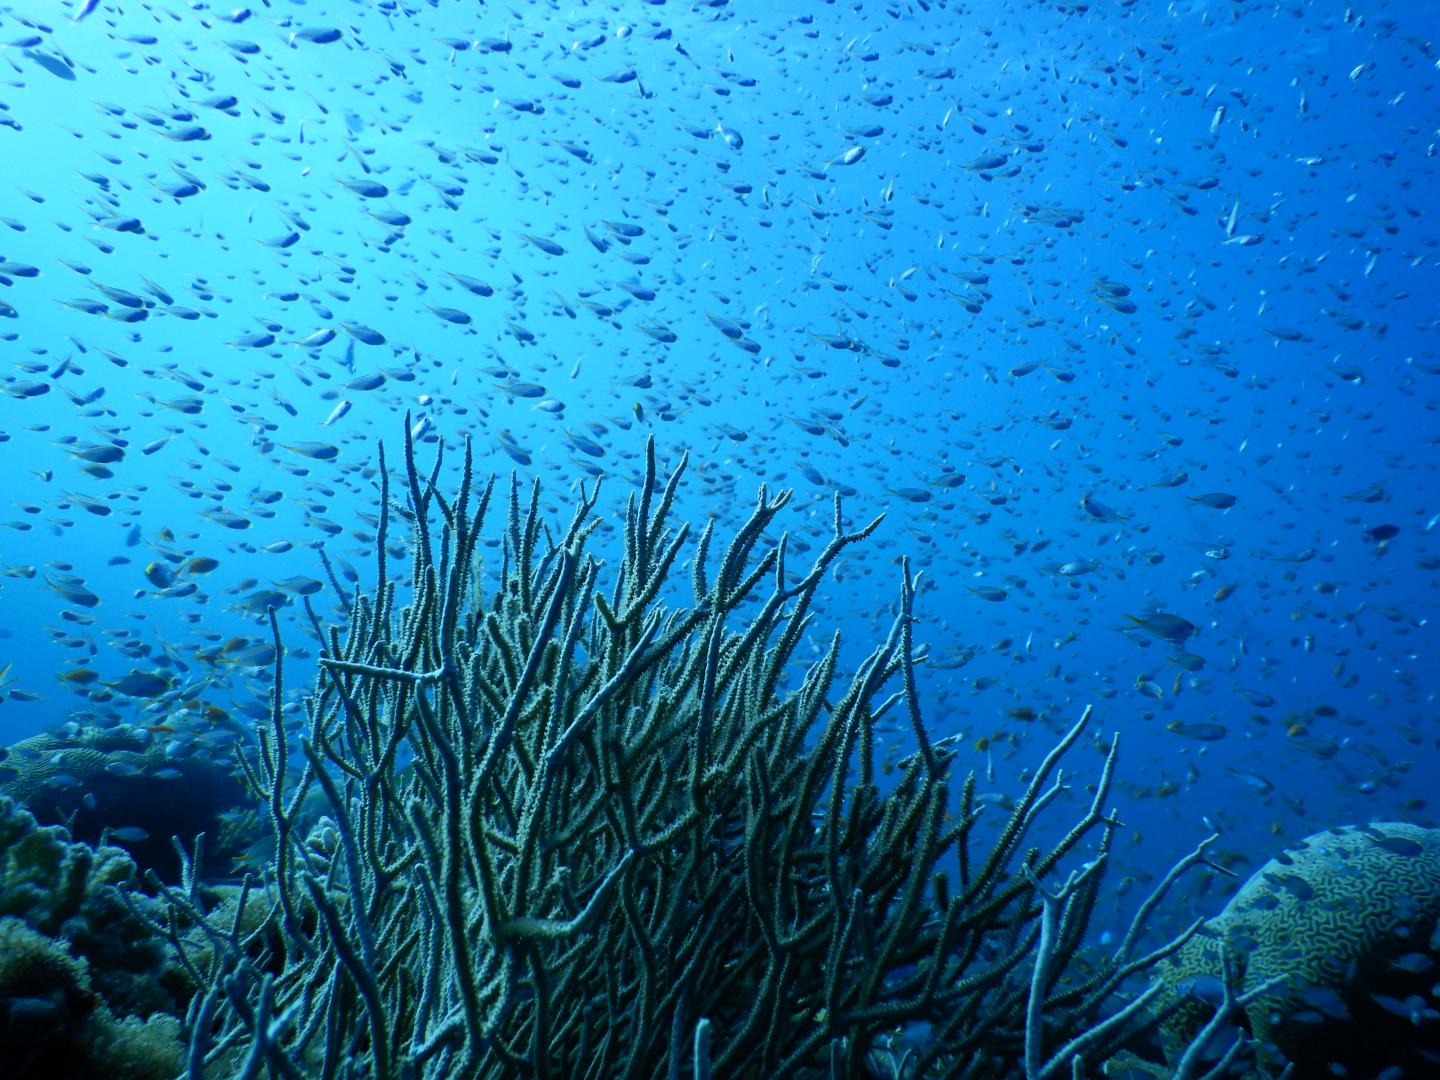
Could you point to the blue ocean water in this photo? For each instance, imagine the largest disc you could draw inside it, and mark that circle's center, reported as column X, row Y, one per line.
column 1124, row 315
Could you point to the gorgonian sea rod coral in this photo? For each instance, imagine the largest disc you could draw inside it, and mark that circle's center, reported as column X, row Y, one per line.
column 574, row 832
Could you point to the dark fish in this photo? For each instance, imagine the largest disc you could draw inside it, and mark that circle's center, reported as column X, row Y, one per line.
column 140, row 684
column 318, row 35
column 1100, row 512
column 1216, row 500
column 363, row 334
column 318, row 450
column 1164, row 625
column 61, row 69
column 1398, row 845
column 545, row 244
column 366, row 189
column 470, row 284
column 451, row 315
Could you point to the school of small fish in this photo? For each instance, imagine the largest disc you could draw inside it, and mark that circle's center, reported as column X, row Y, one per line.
column 1127, row 322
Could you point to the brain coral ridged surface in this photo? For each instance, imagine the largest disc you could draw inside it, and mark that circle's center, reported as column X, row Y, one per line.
column 1349, row 917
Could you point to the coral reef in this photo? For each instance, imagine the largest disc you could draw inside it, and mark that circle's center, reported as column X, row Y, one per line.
column 54, row 1024
column 581, row 833
column 95, row 780
column 572, row 832
column 90, row 900
column 1342, row 930
column 85, row 983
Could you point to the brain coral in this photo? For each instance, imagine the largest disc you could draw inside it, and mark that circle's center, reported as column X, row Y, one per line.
column 1349, row 916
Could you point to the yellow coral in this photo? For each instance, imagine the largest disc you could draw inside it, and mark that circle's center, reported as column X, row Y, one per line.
column 1332, row 913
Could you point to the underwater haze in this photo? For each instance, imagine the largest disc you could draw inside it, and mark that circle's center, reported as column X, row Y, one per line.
column 1124, row 316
